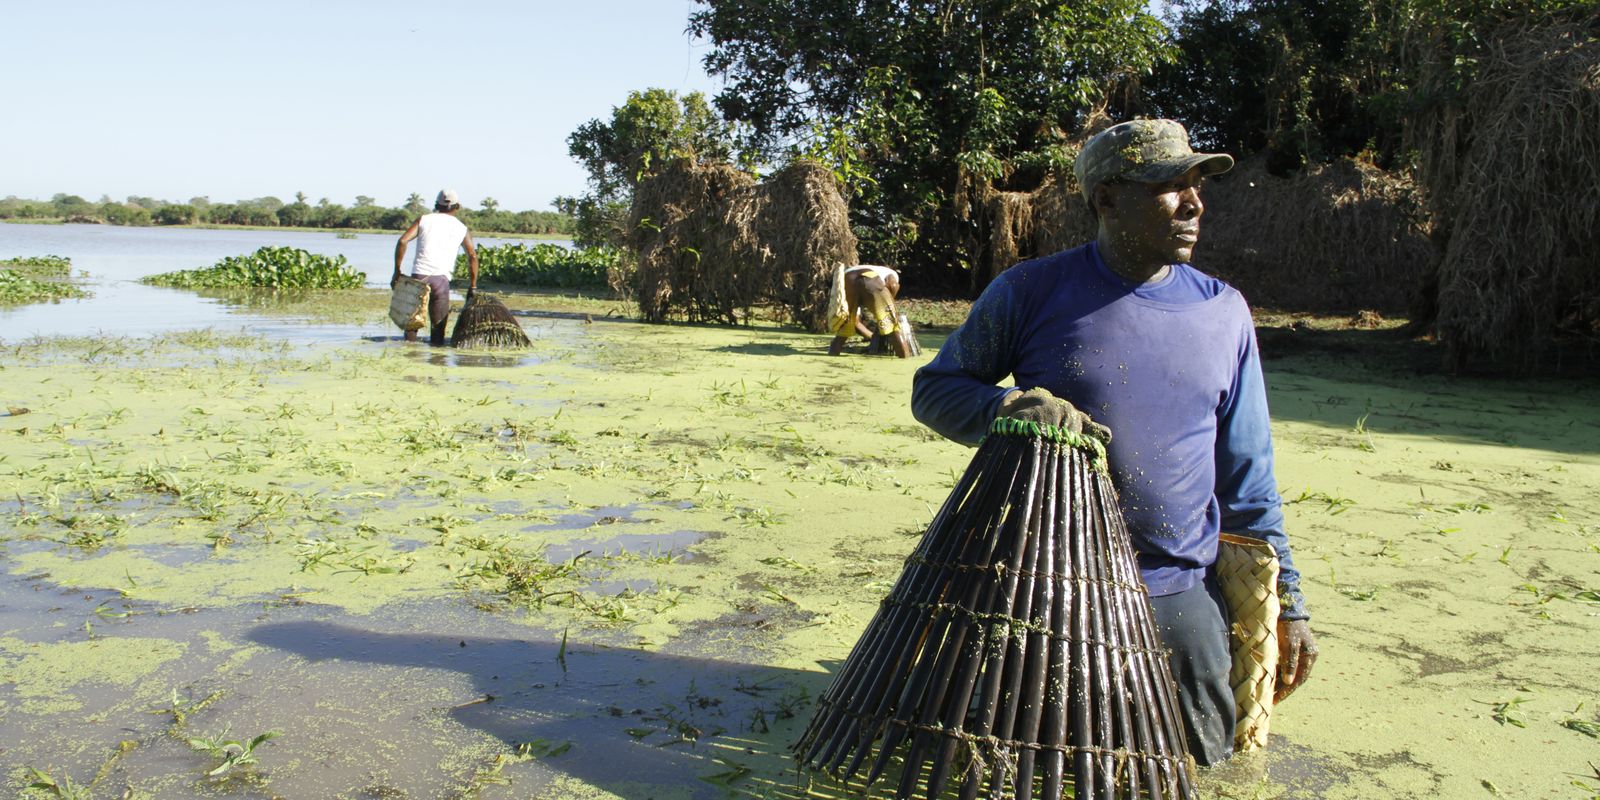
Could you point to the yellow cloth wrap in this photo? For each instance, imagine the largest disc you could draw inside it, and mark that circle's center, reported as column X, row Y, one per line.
column 845, row 326
column 885, row 318
column 1247, row 569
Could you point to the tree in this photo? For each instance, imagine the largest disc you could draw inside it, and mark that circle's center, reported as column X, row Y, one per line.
column 124, row 213
column 914, row 103
column 490, row 204
column 645, row 132
column 414, row 206
column 296, row 214
column 176, row 214
column 1313, row 80
column 363, row 201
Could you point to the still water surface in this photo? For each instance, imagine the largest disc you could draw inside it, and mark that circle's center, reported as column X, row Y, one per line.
column 115, row 258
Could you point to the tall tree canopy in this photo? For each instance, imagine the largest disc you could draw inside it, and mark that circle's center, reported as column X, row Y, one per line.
column 912, row 100
column 644, row 133
column 1312, row 80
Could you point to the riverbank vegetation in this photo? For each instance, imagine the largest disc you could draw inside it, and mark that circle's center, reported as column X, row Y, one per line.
column 271, row 212
column 35, row 279
column 542, row 265
column 267, row 268
column 952, row 129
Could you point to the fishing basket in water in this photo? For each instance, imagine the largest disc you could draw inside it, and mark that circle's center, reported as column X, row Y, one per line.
column 485, row 323
column 1017, row 652
column 408, row 304
column 881, row 344
column 1247, row 569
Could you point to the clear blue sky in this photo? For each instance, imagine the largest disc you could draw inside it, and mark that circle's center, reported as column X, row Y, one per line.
column 243, row 98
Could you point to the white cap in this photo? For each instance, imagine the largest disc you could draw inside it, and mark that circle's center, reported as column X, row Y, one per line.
column 448, row 197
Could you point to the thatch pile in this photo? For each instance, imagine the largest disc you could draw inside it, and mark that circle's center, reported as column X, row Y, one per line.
column 1521, row 250
column 1023, row 225
column 1337, row 237
column 711, row 243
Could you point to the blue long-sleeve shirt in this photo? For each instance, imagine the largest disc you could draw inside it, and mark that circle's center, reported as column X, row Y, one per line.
column 1170, row 367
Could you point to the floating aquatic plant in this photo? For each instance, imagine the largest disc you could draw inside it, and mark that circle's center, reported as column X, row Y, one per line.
column 268, row 268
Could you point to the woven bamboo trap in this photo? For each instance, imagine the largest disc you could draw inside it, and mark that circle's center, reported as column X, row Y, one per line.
column 485, row 323
column 1017, row 653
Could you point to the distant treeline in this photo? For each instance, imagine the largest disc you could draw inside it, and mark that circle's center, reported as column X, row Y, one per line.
column 272, row 212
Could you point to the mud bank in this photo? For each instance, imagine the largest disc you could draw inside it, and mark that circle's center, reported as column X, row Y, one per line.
column 622, row 564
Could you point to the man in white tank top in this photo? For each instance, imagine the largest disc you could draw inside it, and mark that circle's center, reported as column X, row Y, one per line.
column 439, row 235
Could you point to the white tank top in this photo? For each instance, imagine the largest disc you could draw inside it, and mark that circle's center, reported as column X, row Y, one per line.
column 883, row 272
column 439, row 237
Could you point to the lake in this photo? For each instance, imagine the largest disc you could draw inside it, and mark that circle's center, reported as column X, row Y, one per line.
column 115, row 258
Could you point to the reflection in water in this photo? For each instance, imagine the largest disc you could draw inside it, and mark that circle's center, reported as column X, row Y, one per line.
column 451, row 357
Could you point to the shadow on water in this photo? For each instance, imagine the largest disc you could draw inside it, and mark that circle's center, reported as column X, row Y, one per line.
column 656, row 718
column 771, row 349
column 1385, row 382
column 631, row 717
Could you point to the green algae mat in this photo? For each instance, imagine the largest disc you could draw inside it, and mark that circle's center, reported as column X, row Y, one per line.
column 622, row 563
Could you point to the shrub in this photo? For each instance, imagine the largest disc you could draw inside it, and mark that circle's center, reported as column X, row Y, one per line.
column 176, row 214
column 543, row 265
column 269, row 267
column 124, row 214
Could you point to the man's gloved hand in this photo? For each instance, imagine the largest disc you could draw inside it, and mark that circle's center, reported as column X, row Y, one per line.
column 1042, row 407
column 1297, row 651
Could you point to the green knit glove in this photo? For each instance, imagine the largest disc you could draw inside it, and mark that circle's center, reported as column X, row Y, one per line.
column 1041, row 407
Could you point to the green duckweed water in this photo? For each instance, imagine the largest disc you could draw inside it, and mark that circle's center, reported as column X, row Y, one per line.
column 623, row 562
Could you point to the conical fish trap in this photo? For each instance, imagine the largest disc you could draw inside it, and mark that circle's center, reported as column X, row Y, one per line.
column 486, row 323
column 1017, row 652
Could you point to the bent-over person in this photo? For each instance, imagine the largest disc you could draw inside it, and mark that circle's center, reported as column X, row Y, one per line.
column 873, row 289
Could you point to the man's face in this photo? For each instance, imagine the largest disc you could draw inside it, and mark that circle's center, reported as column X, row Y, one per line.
column 1153, row 223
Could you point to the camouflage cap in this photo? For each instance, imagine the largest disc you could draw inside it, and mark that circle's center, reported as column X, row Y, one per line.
column 1142, row 150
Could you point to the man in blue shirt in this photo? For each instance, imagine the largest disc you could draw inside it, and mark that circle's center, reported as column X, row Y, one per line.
column 1165, row 356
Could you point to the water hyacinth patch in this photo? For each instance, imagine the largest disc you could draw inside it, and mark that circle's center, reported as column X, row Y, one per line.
column 542, row 265
column 39, row 266
column 33, row 279
column 269, row 268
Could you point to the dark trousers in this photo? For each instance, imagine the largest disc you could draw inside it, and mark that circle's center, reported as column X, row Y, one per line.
column 438, row 305
column 1194, row 626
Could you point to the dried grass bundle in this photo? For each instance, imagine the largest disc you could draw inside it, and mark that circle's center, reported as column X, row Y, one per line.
column 1017, row 651
column 1024, row 225
column 1336, row 237
column 1521, row 263
column 711, row 243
